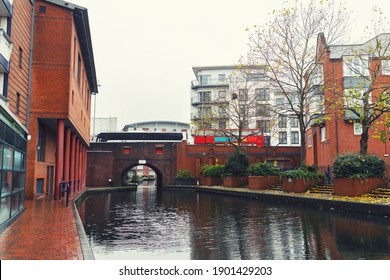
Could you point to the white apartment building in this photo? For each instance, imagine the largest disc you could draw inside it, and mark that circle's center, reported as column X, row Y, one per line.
column 266, row 109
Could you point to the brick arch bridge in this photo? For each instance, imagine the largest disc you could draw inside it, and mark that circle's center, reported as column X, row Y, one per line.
column 113, row 159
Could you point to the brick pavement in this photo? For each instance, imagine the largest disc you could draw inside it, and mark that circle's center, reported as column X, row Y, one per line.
column 46, row 230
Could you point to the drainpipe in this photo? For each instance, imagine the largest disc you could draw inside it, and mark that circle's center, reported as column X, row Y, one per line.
column 30, row 65
column 336, row 119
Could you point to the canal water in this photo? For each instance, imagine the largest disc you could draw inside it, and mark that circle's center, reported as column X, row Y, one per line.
column 183, row 225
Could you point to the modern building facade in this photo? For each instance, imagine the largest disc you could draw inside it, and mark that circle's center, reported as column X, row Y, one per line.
column 216, row 86
column 15, row 58
column 345, row 69
column 63, row 80
column 159, row 126
column 98, row 125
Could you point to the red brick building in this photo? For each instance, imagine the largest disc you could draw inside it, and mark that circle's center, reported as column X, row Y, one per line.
column 345, row 67
column 63, row 80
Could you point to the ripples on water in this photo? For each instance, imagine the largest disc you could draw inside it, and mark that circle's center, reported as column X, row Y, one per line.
column 151, row 224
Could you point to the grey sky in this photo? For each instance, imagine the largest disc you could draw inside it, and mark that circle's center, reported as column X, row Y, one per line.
column 145, row 50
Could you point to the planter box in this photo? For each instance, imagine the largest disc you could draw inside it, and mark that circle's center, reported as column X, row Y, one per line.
column 212, row 181
column 298, row 185
column 356, row 187
column 235, row 181
column 186, row 182
column 262, row 182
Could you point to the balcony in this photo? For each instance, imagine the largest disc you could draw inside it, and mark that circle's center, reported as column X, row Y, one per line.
column 200, row 116
column 5, row 8
column 5, row 51
column 200, row 100
column 209, row 83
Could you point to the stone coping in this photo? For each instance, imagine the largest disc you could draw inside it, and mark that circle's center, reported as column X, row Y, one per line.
column 326, row 201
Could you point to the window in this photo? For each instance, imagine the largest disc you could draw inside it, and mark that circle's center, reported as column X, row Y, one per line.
column 282, row 121
column 221, row 77
column 222, row 124
column 126, row 150
column 264, row 126
column 17, row 105
column 323, row 134
column 222, row 111
column 204, row 80
column 357, row 128
column 204, row 96
column 355, row 66
column 243, row 94
column 294, row 122
column 78, row 74
column 72, row 97
column 282, row 137
column 20, row 58
column 42, row 9
column 222, row 95
column 294, row 137
column 159, row 150
column 309, row 143
column 262, row 94
column 41, row 143
column 385, row 67
column 279, row 101
column 263, row 110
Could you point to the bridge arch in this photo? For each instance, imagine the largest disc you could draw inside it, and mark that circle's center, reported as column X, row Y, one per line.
column 159, row 174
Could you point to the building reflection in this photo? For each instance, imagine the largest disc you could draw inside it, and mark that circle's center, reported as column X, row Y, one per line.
column 193, row 225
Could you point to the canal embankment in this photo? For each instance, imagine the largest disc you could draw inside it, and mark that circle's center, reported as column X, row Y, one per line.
column 324, row 201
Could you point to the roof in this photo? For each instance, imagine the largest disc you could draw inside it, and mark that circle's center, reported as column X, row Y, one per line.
column 156, row 124
column 338, row 51
column 139, row 136
column 80, row 15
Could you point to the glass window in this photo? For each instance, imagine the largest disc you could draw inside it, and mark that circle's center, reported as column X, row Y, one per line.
column 17, row 181
column 39, row 188
column 294, row 137
column 385, row 67
column 282, row 137
column 263, row 110
column 294, row 121
column 222, row 95
column 18, row 161
column 309, row 140
column 323, row 134
column 262, row 94
column 282, row 121
column 243, row 94
column 15, row 203
column 204, row 80
column 357, row 128
column 5, row 208
column 264, row 126
column 355, row 66
column 8, row 158
column 204, row 96
column 279, row 101
column 221, row 77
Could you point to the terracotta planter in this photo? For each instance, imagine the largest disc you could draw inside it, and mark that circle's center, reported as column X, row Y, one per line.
column 262, row 182
column 212, row 181
column 356, row 187
column 298, row 185
column 235, row 181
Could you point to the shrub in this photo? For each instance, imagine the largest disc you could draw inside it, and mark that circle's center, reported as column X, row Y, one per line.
column 212, row 170
column 237, row 164
column 302, row 173
column 263, row 169
column 184, row 174
column 358, row 166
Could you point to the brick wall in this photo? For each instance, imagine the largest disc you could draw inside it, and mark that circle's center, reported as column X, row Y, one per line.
column 18, row 75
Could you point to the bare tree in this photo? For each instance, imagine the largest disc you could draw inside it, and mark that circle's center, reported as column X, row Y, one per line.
column 287, row 45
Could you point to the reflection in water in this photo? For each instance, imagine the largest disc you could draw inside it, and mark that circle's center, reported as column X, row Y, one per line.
column 151, row 224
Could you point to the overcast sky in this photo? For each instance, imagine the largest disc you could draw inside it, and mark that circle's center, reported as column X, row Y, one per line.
column 144, row 50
